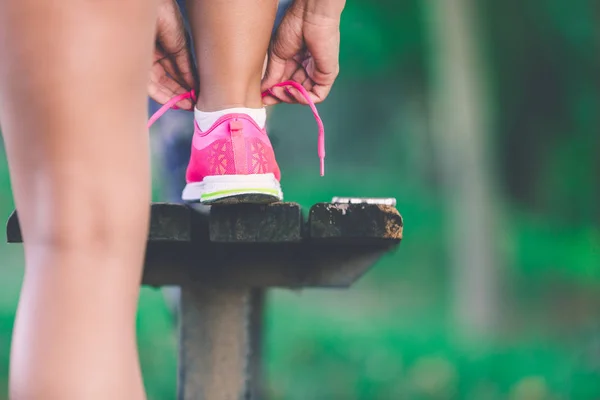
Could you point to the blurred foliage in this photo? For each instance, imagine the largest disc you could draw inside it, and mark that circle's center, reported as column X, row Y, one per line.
column 382, row 37
column 391, row 336
column 546, row 58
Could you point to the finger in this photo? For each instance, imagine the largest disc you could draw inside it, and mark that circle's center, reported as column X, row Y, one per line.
column 283, row 95
column 273, row 74
column 270, row 100
column 283, row 92
column 161, row 78
column 165, row 88
column 299, row 76
column 320, row 93
column 294, row 95
column 308, row 84
column 158, row 93
column 175, row 68
column 162, row 96
column 291, row 69
column 292, row 66
column 279, row 94
column 322, row 83
column 323, row 62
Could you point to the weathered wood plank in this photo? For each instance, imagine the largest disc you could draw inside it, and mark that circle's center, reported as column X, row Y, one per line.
column 256, row 223
column 275, row 223
column 168, row 223
column 356, row 223
column 345, row 240
column 297, row 265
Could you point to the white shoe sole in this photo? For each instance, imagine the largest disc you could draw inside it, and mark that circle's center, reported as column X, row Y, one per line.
column 234, row 189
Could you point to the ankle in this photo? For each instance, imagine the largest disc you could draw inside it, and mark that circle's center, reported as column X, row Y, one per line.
column 206, row 119
column 223, row 98
column 216, row 105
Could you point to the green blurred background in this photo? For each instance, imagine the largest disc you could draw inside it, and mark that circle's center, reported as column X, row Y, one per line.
column 482, row 119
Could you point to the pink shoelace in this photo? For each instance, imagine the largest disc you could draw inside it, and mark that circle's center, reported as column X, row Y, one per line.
column 191, row 95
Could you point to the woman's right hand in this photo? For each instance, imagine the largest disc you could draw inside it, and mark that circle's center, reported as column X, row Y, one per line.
column 306, row 50
column 172, row 71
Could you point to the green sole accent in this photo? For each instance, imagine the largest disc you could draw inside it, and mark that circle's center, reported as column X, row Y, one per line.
column 232, row 192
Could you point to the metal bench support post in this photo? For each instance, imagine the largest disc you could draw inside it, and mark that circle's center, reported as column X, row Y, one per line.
column 215, row 344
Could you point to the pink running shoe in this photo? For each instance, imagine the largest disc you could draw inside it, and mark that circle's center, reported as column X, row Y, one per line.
column 233, row 161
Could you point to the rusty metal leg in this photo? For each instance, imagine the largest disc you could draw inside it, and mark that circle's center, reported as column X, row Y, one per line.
column 215, row 344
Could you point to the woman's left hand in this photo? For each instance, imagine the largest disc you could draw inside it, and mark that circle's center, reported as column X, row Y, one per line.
column 172, row 71
column 305, row 49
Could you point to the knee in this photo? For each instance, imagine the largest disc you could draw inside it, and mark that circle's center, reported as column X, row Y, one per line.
column 80, row 228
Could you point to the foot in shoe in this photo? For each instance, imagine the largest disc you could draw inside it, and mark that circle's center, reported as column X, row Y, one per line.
column 232, row 160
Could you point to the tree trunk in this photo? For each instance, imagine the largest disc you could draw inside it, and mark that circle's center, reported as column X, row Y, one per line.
column 460, row 123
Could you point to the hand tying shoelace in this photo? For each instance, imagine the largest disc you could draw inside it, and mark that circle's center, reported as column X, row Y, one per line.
column 171, row 104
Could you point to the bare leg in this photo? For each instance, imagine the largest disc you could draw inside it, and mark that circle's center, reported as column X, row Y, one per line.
column 231, row 38
column 73, row 80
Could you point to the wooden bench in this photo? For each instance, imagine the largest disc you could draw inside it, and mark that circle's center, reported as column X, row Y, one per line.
column 226, row 258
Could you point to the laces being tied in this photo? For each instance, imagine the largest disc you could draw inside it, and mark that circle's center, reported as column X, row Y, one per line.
column 321, row 138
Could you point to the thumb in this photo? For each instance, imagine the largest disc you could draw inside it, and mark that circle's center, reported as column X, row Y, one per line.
column 274, row 72
column 275, row 67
